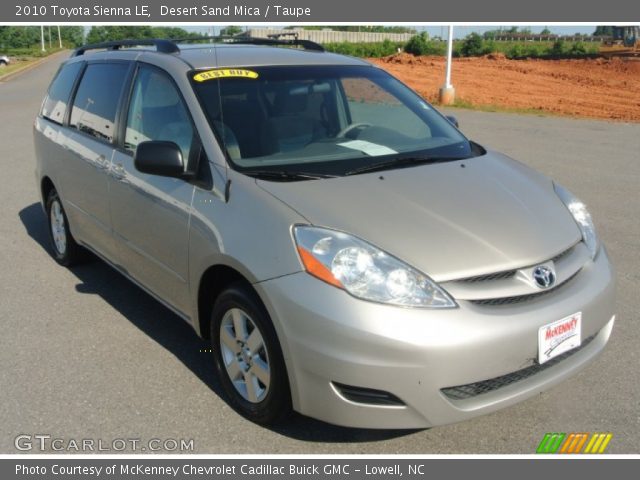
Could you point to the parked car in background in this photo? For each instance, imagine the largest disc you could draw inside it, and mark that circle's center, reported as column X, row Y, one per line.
column 347, row 250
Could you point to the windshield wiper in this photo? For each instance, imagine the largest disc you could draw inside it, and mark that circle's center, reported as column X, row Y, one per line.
column 285, row 175
column 401, row 162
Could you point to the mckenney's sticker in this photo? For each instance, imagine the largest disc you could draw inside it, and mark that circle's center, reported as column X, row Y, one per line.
column 558, row 337
column 224, row 73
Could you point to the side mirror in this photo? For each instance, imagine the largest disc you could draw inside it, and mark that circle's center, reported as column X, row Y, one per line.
column 159, row 158
column 453, row 120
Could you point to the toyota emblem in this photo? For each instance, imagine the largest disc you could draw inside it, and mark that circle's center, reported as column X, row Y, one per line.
column 544, row 276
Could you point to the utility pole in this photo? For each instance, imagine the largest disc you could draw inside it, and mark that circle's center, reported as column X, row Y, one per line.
column 42, row 37
column 447, row 92
column 59, row 37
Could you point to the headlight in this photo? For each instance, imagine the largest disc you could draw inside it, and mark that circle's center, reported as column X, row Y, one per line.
column 365, row 271
column 582, row 218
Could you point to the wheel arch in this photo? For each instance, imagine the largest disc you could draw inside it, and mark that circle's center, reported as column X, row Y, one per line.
column 212, row 282
column 46, row 186
column 221, row 273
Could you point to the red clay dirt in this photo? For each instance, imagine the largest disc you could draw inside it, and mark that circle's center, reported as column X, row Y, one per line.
column 593, row 88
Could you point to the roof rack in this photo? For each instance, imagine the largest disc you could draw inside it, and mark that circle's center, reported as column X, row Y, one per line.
column 162, row 46
column 273, row 40
column 277, row 36
column 169, row 46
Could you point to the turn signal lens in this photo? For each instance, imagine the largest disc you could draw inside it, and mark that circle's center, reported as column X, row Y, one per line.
column 317, row 269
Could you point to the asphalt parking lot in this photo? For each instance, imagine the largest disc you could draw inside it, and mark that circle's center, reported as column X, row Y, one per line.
column 86, row 354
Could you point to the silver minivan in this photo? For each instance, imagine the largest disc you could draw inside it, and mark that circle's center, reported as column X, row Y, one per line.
column 348, row 251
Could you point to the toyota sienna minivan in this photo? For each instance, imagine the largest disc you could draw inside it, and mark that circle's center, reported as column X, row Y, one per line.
column 350, row 254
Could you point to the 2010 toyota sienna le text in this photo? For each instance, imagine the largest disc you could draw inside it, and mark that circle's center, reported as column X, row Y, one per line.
column 348, row 251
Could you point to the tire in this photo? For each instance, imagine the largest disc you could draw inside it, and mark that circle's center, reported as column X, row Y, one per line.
column 248, row 357
column 64, row 248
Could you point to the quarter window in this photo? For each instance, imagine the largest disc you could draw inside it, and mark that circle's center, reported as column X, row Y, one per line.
column 157, row 112
column 55, row 105
column 96, row 101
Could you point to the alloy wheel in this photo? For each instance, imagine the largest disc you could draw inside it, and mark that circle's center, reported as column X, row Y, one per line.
column 245, row 356
column 58, row 231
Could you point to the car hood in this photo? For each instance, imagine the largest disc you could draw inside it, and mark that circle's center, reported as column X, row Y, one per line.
column 450, row 220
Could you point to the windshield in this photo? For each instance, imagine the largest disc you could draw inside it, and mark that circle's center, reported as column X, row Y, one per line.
column 325, row 120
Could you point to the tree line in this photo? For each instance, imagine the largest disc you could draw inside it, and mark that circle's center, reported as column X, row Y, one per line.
column 121, row 32
column 74, row 36
column 27, row 37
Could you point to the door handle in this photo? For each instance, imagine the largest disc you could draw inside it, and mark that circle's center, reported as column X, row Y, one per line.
column 102, row 162
column 119, row 171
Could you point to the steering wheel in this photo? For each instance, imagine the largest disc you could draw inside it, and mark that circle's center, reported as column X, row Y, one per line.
column 343, row 133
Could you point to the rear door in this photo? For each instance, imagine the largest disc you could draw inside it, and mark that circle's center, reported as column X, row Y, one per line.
column 90, row 146
column 150, row 213
column 51, row 136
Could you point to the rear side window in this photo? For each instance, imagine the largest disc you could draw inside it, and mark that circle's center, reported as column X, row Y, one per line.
column 96, row 101
column 55, row 104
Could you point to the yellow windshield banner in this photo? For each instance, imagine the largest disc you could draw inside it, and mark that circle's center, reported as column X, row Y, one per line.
column 224, row 73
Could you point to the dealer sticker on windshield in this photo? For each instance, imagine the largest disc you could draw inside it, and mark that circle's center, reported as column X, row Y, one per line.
column 368, row 148
column 558, row 337
column 225, row 73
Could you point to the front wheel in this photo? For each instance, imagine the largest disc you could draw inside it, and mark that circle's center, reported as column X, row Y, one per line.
column 248, row 357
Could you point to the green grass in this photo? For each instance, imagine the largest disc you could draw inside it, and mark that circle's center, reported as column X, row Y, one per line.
column 29, row 53
column 23, row 58
column 517, row 50
column 465, row 104
column 511, row 49
column 363, row 49
column 15, row 66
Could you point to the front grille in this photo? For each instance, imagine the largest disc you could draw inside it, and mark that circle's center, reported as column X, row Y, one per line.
column 463, row 392
column 521, row 298
column 510, row 273
column 490, row 276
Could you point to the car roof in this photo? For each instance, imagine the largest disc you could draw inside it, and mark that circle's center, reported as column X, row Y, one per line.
column 198, row 56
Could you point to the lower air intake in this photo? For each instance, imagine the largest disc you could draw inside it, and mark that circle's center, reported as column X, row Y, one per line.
column 463, row 392
column 368, row 396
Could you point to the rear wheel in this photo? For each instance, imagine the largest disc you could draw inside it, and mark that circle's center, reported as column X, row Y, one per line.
column 248, row 357
column 65, row 249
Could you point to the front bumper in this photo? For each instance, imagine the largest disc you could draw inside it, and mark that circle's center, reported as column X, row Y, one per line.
column 329, row 336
